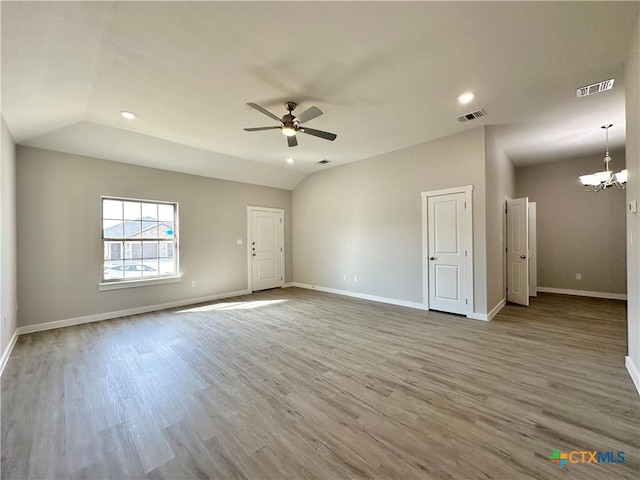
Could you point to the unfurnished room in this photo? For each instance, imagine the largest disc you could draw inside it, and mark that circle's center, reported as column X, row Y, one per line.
column 320, row 240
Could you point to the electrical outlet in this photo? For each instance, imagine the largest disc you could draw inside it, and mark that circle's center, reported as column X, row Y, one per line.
column 193, row 283
column 355, row 278
column 578, row 276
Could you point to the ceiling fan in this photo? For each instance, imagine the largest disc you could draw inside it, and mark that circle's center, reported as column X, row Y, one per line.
column 290, row 124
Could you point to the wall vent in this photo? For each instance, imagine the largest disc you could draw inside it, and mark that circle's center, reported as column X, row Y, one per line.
column 472, row 115
column 323, row 162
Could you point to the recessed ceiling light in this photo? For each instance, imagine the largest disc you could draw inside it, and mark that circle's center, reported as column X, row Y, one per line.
column 289, row 160
column 465, row 97
column 128, row 115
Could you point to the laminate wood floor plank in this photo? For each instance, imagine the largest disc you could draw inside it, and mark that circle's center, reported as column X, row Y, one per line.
column 292, row 384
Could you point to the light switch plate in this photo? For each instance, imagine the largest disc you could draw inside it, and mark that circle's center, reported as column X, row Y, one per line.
column 633, row 206
column 239, row 241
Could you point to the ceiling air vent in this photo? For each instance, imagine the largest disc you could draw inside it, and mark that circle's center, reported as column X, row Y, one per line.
column 323, row 162
column 595, row 88
column 472, row 115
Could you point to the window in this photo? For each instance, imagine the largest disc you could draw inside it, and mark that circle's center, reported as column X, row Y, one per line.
column 139, row 239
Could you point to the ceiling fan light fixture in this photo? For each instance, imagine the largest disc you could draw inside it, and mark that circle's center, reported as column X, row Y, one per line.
column 290, row 160
column 288, row 131
column 128, row 115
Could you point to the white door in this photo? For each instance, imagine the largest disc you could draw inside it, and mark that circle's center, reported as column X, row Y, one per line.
column 518, row 251
column 533, row 252
column 447, row 253
column 266, row 249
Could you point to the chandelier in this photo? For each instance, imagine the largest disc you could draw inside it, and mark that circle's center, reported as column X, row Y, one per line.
column 605, row 179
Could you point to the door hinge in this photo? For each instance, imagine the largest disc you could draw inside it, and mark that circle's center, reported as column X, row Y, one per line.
column 280, row 220
column 280, row 248
column 466, row 302
column 465, row 253
column 465, row 204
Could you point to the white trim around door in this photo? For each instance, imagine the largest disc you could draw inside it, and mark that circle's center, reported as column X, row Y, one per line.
column 467, row 190
column 280, row 213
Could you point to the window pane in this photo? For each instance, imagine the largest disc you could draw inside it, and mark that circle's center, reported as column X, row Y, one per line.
column 150, row 211
column 166, row 230
column 132, row 250
column 112, row 229
column 149, row 250
column 132, row 210
column 151, row 266
column 132, row 228
column 132, row 270
column 149, row 229
column 112, row 272
column 165, row 212
column 113, row 251
column 112, row 209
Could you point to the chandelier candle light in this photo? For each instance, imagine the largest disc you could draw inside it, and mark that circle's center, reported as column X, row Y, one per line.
column 605, row 179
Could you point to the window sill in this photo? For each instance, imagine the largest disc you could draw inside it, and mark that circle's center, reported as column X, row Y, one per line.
column 145, row 282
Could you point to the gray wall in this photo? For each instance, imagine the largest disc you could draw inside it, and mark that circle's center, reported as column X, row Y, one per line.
column 578, row 231
column 364, row 218
column 500, row 180
column 8, row 288
column 59, row 250
column 632, row 100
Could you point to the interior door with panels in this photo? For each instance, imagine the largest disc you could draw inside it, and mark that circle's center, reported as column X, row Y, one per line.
column 518, row 251
column 266, row 249
column 447, row 253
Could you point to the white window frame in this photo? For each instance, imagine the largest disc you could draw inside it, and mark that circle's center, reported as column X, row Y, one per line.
column 119, row 283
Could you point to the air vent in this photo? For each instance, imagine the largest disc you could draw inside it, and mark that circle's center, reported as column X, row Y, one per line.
column 472, row 115
column 595, row 88
column 323, row 162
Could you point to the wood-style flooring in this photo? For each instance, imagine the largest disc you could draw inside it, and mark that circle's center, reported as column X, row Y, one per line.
column 296, row 384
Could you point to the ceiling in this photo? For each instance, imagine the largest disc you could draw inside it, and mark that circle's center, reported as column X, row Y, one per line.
column 386, row 75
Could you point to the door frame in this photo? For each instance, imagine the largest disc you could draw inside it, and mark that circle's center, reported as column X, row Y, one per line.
column 533, row 251
column 250, row 210
column 468, row 196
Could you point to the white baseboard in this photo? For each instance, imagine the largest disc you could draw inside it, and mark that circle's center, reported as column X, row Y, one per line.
column 123, row 313
column 583, row 293
column 7, row 351
column 287, row 285
column 497, row 308
column 633, row 372
column 478, row 316
column 363, row 296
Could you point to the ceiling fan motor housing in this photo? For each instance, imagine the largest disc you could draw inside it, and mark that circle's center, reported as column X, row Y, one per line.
column 290, row 106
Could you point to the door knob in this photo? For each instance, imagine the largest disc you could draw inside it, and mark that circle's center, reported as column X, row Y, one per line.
column 253, row 254
column 523, row 256
column 432, row 258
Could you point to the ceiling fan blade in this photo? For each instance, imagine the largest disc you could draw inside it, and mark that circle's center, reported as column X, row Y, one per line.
column 292, row 141
column 309, row 114
column 318, row 133
column 257, row 129
column 262, row 110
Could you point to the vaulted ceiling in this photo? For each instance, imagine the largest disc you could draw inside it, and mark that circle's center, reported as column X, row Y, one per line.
column 386, row 75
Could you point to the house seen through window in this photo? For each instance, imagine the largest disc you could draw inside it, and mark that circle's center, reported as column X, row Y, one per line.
column 139, row 239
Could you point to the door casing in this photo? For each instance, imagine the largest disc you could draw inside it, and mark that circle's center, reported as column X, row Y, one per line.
column 468, row 217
